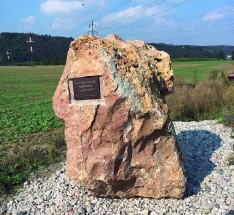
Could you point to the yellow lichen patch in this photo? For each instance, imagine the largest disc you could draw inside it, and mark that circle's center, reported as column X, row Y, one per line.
column 133, row 66
column 130, row 53
column 146, row 101
column 133, row 71
column 140, row 91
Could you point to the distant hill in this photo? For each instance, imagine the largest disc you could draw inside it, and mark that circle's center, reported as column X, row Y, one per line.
column 47, row 49
column 191, row 51
column 53, row 50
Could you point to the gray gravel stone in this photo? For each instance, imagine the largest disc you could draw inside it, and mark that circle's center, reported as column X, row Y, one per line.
column 210, row 183
column 153, row 213
column 207, row 206
column 231, row 212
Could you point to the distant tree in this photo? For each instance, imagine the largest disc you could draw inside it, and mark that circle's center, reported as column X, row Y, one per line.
column 232, row 55
column 220, row 55
column 47, row 49
column 46, row 61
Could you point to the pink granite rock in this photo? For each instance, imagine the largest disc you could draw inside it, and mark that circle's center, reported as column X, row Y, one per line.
column 122, row 144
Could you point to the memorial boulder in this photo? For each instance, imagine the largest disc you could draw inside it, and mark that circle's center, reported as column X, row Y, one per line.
column 120, row 139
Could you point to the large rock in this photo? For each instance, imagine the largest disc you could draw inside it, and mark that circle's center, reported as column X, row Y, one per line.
column 122, row 144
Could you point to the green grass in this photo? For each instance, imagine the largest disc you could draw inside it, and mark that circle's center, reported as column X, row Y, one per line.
column 31, row 136
column 198, row 70
column 27, row 120
column 25, row 100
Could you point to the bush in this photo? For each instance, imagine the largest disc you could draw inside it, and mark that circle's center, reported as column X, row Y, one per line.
column 209, row 99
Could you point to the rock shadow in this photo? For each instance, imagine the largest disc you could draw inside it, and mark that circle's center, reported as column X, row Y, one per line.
column 198, row 147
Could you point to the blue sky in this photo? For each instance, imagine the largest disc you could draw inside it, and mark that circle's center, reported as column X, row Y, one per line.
column 177, row 22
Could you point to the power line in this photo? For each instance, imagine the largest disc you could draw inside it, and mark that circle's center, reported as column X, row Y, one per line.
column 210, row 34
column 100, row 16
column 185, row 18
column 141, row 10
column 126, row 17
column 108, row 12
column 154, row 14
column 191, row 18
column 201, row 15
column 133, row 14
column 84, row 15
column 182, row 29
column 199, row 35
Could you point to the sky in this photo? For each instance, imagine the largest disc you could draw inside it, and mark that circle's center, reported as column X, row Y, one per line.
column 177, row 22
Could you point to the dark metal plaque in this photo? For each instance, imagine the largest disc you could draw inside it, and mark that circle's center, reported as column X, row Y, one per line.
column 86, row 88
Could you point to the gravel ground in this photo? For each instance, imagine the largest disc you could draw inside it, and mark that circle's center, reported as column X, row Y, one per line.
column 208, row 156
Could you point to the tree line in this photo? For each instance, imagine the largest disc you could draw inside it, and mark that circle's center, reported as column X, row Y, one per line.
column 47, row 50
column 195, row 53
column 52, row 50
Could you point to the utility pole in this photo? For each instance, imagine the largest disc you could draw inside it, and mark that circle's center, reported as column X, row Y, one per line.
column 92, row 31
column 31, row 48
column 8, row 57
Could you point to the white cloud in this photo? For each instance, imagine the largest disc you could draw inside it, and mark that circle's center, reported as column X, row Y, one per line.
column 29, row 20
column 121, row 15
column 151, row 11
column 130, row 14
column 160, row 25
column 58, row 6
column 166, row 23
column 160, row 28
column 213, row 16
column 218, row 13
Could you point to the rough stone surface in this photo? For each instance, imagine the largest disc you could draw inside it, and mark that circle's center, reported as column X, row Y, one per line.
column 123, row 144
